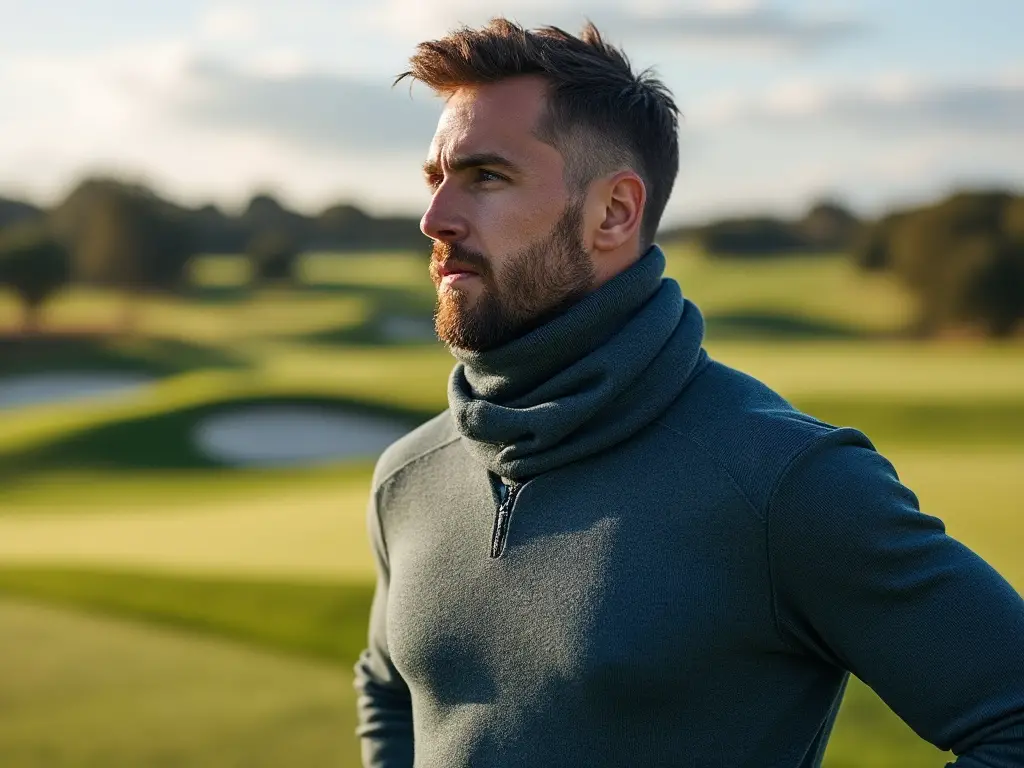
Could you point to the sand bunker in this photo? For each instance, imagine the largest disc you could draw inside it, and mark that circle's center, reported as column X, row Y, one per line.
column 282, row 435
column 62, row 386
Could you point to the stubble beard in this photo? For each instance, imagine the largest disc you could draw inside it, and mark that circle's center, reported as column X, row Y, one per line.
column 535, row 285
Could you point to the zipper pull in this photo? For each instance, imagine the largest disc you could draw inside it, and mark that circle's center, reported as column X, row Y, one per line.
column 501, row 518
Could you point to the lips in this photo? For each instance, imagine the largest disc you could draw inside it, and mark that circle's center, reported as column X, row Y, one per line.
column 455, row 268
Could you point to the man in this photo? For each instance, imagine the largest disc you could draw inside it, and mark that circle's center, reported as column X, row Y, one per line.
column 612, row 550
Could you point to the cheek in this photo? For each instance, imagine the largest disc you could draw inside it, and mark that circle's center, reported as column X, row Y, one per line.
column 510, row 220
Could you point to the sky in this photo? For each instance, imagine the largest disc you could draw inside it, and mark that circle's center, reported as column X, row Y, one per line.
column 784, row 102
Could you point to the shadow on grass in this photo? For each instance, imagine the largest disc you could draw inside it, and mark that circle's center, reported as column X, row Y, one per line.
column 776, row 326
column 99, row 352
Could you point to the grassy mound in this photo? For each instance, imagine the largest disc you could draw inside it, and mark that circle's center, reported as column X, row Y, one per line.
column 320, row 620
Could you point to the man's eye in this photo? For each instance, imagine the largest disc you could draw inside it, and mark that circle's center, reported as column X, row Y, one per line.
column 483, row 174
column 434, row 180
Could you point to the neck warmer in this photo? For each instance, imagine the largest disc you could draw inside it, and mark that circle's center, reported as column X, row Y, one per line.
column 582, row 382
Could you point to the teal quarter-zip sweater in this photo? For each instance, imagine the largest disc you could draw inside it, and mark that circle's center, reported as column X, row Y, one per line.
column 679, row 568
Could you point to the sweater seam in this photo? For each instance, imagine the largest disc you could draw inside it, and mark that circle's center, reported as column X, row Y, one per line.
column 811, row 443
column 389, row 477
column 732, row 480
column 762, row 519
column 409, row 462
column 380, row 530
column 762, row 516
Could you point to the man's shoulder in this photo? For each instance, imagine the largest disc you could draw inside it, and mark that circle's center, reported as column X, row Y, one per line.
column 415, row 445
column 744, row 426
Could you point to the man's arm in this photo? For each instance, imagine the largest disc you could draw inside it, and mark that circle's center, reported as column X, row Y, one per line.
column 866, row 581
column 384, row 705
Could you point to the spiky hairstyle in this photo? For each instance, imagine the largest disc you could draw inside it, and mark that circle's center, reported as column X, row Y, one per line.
column 600, row 115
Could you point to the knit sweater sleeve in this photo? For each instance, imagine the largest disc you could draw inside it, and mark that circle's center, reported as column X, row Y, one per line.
column 864, row 580
column 384, row 706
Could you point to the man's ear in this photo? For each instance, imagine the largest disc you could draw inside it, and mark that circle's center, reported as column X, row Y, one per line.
column 624, row 198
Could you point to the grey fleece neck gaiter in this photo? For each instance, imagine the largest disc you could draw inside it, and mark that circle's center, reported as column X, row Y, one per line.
column 584, row 381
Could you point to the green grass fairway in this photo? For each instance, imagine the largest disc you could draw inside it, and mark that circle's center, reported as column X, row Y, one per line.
column 823, row 288
column 262, row 313
column 247, row 590
column 313, row 619
column 279, row 538
column 403, row 270
column 859, row 369
column 82, row 691
column 293, row 531
column 312, row 526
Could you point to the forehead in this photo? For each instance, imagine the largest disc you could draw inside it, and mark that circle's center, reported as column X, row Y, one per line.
column 497, row 117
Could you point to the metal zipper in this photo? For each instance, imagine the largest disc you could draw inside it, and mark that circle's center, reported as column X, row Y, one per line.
column 501, row 518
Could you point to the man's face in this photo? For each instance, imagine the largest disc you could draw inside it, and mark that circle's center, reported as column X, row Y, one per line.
column 508, row 238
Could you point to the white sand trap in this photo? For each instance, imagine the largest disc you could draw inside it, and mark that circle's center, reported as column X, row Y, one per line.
column 61, row 386
column 282, row 435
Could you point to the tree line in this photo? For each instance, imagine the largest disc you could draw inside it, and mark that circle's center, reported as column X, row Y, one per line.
column 111, row 233
column 826, row 227
column 962, row 257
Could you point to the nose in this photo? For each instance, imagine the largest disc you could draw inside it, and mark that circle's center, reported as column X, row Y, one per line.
column 441, row 221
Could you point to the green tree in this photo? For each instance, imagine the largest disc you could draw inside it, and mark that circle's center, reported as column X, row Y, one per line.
column 829, row 226
column 963, row 258
column 274, row 256
column 755, row 236
column 873, row 244
column 34, row 264
column 124, row 236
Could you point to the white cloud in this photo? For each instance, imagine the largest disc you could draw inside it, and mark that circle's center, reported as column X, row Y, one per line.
column 274, row 113
column 886, row 141
column 891, row 103
column 200, row 129
column 312, row 110
column 229, row 24
column 736, row 24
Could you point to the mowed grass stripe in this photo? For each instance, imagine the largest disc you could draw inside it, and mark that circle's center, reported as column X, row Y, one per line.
column 288, row 533
column 81, row 690
column 155, row 490
column 318, row 620
column 315, row 528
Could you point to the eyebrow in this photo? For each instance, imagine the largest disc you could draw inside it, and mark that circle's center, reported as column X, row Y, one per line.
column 431, row 167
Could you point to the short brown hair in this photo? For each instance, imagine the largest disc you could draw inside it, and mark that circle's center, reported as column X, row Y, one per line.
column 600, row 115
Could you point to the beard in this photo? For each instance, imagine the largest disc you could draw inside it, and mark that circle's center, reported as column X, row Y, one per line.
column 535, row 285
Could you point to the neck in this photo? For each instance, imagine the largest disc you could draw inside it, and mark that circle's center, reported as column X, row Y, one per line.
column 610, row 264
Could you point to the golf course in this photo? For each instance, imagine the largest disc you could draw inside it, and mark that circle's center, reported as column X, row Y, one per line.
column 185, row 575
